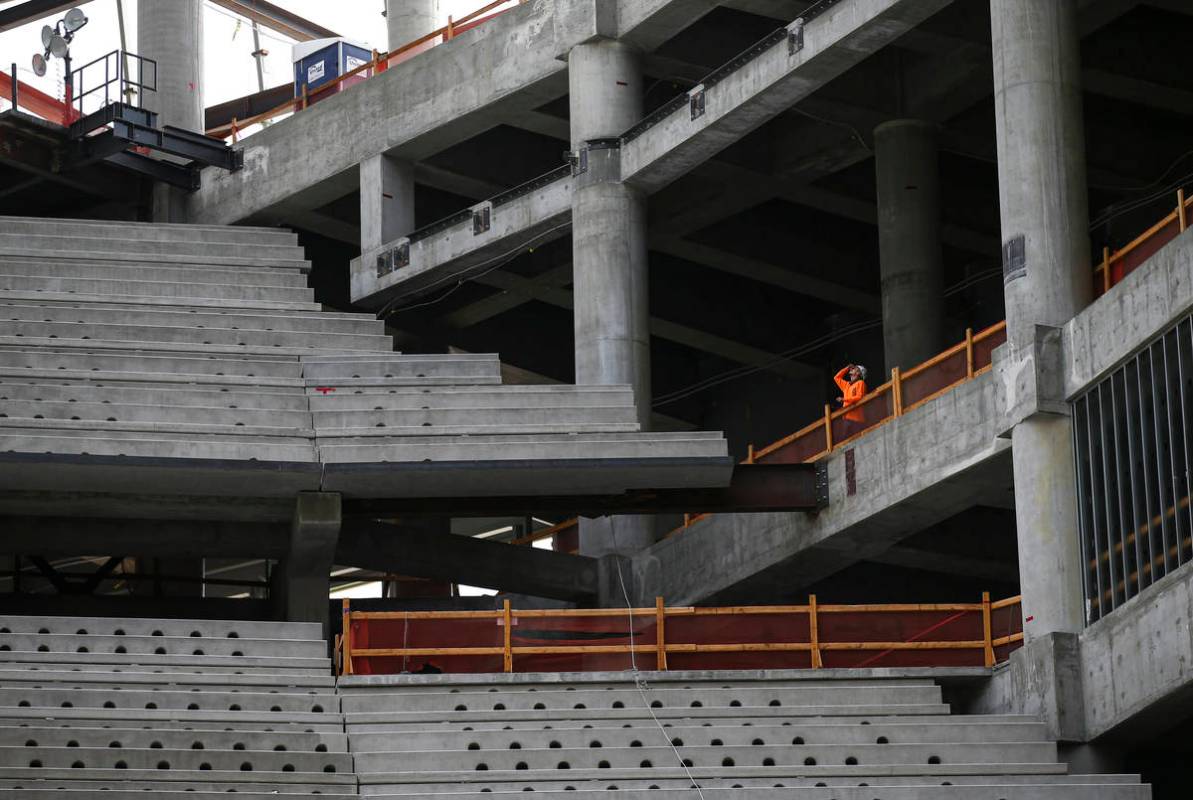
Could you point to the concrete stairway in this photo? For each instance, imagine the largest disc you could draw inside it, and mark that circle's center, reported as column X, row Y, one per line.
column 113, row 708
column 197, row 342
column 842, row 735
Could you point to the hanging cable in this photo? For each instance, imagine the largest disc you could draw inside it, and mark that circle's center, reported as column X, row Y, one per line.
column 639, row 681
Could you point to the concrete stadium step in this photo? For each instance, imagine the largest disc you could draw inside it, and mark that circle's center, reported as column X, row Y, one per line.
column 160, row 645
column 464, row 429
column 161, row 445
column 628, row 697
column 397, row 365
column 150, row 251
column 260, row 420
column 284, row 783
column 155, row 738
column 464, row 397
column 985, row 791
column 815, row 732
column 184, row 365
column 548, row 762
column 73, row 298
column 196, row 337
column 509, row 419
column 283, row 399
column 171, row 663
column 162, row 288
column 248, row 760
column 122, row 230
column 508, row 448
column 110, row 313
column 765, row 786
column 201, row 791
column 187, row 273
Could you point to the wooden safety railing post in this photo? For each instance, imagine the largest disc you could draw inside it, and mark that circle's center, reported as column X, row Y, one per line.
column 1105, row 270
column 814, row 632
column 969, row 352
column 828, row 428
column 507, row 653
column 896, row 392
column 451, row 29
column 660, row 617
column 750, row 453
column 987, row 635
column 305, row 93
column 346, row 640
column 234, row 130
column 1180, row 209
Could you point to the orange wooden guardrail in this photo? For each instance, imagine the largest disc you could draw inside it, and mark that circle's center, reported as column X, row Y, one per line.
column 810, row 636
column 379, row 63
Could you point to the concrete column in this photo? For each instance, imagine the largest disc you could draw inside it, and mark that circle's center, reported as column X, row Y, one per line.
column 386, row 200
column 171, row 33
column 303, row 581
column 1047, row 279
column 908, row 180
column 609, row 255
column 407, row 20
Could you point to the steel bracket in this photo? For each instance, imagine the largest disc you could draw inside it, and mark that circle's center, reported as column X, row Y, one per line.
column 795, row 37
column 481, row 219
column 696, row 101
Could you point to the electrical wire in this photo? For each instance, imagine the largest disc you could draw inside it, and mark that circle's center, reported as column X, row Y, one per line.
column 639, row 681
column 497, row 261
column 857, row 135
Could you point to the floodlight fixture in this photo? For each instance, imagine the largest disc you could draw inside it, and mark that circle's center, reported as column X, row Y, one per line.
column 74, row 19
column 39, row 64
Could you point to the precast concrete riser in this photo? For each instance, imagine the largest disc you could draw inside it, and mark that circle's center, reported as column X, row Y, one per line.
column 126, row 289
column 185, row 274
column 160, row 258
column 193, row 338
column 180, row 759
column 646, row 756
column 109, row 736
column 160, row 645
column 99, row 412
column 991, row 791
column 181, row 396
column 822, row 733
column 47, row 242
column 159, row 316
column 146, row 363
column 127, row 231
column 760, row 697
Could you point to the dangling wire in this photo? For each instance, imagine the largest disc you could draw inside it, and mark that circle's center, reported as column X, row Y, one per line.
column 639, row 681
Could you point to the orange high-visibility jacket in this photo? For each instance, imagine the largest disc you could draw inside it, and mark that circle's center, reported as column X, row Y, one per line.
column 851, row 393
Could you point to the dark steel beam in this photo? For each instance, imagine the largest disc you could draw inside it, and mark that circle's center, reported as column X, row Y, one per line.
column 422, row 553
column 248, row 106
column 32, row 10
column 278, row 19
column 755, row 488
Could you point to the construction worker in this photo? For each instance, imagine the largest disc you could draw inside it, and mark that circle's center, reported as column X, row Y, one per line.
column 851, row 380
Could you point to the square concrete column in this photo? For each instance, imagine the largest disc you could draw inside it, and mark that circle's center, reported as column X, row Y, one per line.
column 906, row 162
column 303, row 581
column 386, row 200
column 1047, row 278
column 609, row 254
column 171, row 33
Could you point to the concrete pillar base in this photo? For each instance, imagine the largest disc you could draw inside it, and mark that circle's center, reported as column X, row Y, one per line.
column 302, row 582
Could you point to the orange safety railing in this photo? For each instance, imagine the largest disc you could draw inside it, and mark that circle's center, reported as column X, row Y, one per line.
column 379, row 63
column 811, row 636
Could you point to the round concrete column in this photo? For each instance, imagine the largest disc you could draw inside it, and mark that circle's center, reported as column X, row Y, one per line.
column 908, row 181
column 171, row 33
column 609, row 256
column 605, row 90
column 1047, row 279
column 407, row 20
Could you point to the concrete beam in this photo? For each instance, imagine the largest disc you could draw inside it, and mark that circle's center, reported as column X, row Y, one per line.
column 914, row 472
column 780, row 75
column 409, row 550
column 413, row 110
column 948, row 563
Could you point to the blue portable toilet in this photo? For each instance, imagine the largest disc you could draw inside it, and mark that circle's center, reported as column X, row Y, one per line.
column 321, row 61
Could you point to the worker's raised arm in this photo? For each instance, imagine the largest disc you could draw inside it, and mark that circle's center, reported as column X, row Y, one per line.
column 839, row 379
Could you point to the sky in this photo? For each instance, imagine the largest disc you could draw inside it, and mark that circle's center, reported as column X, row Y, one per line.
column 229, row 66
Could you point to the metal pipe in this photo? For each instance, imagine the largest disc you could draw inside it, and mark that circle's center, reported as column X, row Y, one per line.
column 14, row 86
